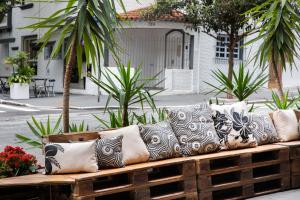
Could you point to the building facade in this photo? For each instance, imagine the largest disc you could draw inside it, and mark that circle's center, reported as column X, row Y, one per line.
column 183, row 57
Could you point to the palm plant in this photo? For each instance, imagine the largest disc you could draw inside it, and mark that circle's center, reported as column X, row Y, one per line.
column 78, row 128
column 279, row 29
column 126, row 88
column 244, row 82
column 39, row 130
column 284, row 103
column 86, row 26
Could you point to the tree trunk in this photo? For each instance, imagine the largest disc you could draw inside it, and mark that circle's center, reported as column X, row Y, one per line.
column 67, row 79
column 277, row 76
column 230, row 64
column 125, row 121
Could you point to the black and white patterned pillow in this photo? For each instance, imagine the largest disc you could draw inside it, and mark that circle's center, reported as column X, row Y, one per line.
column 160, row 141
column 109, row 152
column 234, row 130
column 263, row 128
column 194, row 128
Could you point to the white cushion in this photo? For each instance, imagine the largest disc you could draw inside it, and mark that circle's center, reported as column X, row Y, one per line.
column 286, row 124
column 77, row 157
column 133, row 148
column 237, row 107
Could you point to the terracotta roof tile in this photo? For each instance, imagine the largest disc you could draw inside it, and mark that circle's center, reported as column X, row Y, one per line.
column 136, row 15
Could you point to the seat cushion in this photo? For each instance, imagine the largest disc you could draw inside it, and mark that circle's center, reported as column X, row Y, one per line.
column 286, row 124
column 70, row 157
column 263, row 129
column 233, row 129
column 194, row 128
column 160, row 140
column 133, row 148
column 109, row 152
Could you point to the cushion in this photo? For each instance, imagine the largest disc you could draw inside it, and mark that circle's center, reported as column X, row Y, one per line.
column 237, row 107
column 263, row 129
column 109, row 152
column 286, row 124
column 133, row 147
column 70, row 157
column 160, row 141
column 233, row 129
column 194, row 128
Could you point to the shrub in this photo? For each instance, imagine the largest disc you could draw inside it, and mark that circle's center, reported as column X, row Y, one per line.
column 14, row 161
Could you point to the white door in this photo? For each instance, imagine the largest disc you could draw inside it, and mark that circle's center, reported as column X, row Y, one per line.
column 174, row 50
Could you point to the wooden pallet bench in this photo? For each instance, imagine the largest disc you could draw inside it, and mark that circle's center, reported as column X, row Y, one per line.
column 294, row 149
column 167, row 179
column 243, row 173
column 234, row 174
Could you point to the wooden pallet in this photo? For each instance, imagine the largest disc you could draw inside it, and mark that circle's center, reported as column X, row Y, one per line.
column 243, row 173
column 294, row 148
column 168, row 179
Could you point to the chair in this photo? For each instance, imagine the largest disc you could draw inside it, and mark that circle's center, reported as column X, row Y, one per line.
column 4, row 87
column 50, row 87
column 41, row 88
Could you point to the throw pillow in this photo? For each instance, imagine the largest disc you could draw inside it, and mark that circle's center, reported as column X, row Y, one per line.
column 286, row 124
column 133, row 147
column 263, row 129
column 194, row 128
column 70, row 157
column 109, row 152
column 233, row 129
column 160, row 141
column 237, row 107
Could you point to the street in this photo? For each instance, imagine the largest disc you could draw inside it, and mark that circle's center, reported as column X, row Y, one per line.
column 13, row 120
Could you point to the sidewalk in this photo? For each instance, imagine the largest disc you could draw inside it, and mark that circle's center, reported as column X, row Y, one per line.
column 91, row 102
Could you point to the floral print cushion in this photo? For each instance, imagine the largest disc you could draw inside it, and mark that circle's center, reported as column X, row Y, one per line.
column 194, row 128
column 234, row 130
column 63, row 158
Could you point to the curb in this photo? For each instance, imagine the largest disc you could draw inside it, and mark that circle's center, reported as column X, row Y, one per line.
column 13, row 103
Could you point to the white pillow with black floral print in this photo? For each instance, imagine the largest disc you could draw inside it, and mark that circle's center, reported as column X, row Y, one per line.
column 286, row 124
column 237, row 107
column 233, row 129
column 76, row 157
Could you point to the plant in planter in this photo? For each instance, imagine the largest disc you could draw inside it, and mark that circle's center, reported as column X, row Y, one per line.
column 284, row 103
column 39, row 130
column 14, row 161
column 127, row 89
column 244, row 82
column 19, row 80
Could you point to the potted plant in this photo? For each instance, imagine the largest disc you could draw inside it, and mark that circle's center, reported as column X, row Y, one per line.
column 21, row 77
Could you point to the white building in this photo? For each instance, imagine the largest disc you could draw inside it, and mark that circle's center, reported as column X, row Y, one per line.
column 184, row 56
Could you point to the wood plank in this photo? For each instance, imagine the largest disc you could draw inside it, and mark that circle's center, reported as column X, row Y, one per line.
column 175, row 195
column 37, row 179
column 67, row 137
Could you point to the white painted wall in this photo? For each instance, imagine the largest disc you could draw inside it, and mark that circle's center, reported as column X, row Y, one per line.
column 137, row 34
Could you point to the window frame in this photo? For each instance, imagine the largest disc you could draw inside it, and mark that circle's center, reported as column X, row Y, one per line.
column 223, row 44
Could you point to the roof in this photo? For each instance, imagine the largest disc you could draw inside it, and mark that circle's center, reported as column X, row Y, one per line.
column 137, row 15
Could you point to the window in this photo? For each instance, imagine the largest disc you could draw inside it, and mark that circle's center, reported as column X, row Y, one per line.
column 48, row 51
column 30, row 46
column 222, row 51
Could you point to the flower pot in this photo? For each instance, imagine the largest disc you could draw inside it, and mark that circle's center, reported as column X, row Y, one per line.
column 19, row 91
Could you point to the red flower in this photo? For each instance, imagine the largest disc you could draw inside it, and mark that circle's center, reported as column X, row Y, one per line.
column 15, row 161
